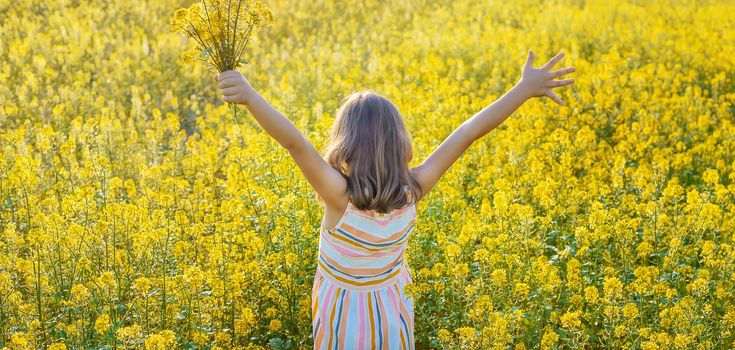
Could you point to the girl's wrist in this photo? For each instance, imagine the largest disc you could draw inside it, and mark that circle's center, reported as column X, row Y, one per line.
column 523, row 89
column 248, row 95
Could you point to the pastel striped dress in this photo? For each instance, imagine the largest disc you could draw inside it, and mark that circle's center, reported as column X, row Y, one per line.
column 358, row 300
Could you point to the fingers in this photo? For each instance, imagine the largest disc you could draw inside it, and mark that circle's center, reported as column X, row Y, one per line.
column 553, row 96
column 227, row 82
column 230, row 91
column 561, row 72
column 228, row 74
column 556, row 83
column 553, row 61
column 529, row 60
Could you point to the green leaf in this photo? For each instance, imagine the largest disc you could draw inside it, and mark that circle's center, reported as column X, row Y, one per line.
column 276, row 343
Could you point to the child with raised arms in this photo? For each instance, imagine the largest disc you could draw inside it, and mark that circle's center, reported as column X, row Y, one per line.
column 369, row 195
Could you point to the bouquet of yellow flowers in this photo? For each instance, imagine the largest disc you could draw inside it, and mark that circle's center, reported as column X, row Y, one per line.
column 221, row 30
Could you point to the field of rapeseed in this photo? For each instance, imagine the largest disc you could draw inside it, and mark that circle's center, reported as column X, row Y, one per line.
column 136, row 212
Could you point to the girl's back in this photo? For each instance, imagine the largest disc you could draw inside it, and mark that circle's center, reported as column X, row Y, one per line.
column 358, row 298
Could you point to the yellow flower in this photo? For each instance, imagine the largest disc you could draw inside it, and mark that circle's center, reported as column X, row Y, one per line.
column 710, row 176
column 34, row 325
column 246, row 320
column 274, row 325
column 481, row 255
column 57, row 346
column 102, row 324
column 221, row 30
column 682, row 341
column 613, row 288
column 522, row 290
column 630, row 311
column 130, row 334
column 452, row 251
column 142, row 286
column 571, row 320
column 179, row 20
column 200, row 338
column 620, row 331
column 499, row 277
column 729, row 318
column 591, row 294
column 444, row 336
column 19, row 340
column 573, row 274
column 466, row 334
column 160, row 341
column 549, row 339
column 644, row 249
column 698, row 287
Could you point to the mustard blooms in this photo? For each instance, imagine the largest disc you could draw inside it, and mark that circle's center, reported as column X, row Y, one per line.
column 221, row 30
column 134, row 214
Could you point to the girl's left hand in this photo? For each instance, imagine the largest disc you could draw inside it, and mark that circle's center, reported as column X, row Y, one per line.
column 537, row 82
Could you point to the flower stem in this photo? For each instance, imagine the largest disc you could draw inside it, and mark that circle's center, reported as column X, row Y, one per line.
column 235, row 109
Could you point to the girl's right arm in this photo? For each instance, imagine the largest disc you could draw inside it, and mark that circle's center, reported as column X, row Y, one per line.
column 533, row 83
column 326, row 181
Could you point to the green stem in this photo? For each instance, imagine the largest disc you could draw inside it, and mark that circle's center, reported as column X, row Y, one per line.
column 235, row 109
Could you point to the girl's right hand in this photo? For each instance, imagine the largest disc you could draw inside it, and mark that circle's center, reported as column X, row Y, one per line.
column 235, row 88
column 537, row 82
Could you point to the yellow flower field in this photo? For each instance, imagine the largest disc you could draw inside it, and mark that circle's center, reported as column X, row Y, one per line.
column 136, row 212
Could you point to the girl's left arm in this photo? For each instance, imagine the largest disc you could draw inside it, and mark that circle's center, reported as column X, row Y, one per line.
column 534, row 82
column 326, row 181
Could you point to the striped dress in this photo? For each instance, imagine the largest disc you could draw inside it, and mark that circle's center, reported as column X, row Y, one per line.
column 357, row 300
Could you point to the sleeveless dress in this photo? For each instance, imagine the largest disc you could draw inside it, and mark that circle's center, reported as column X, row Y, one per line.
column 358, row 300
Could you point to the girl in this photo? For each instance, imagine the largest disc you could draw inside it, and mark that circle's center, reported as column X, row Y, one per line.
column 369, row 196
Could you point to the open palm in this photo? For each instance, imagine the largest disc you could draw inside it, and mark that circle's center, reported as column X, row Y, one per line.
column 539, row 81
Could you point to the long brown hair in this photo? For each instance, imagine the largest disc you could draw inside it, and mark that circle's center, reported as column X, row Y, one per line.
column 370, row 146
